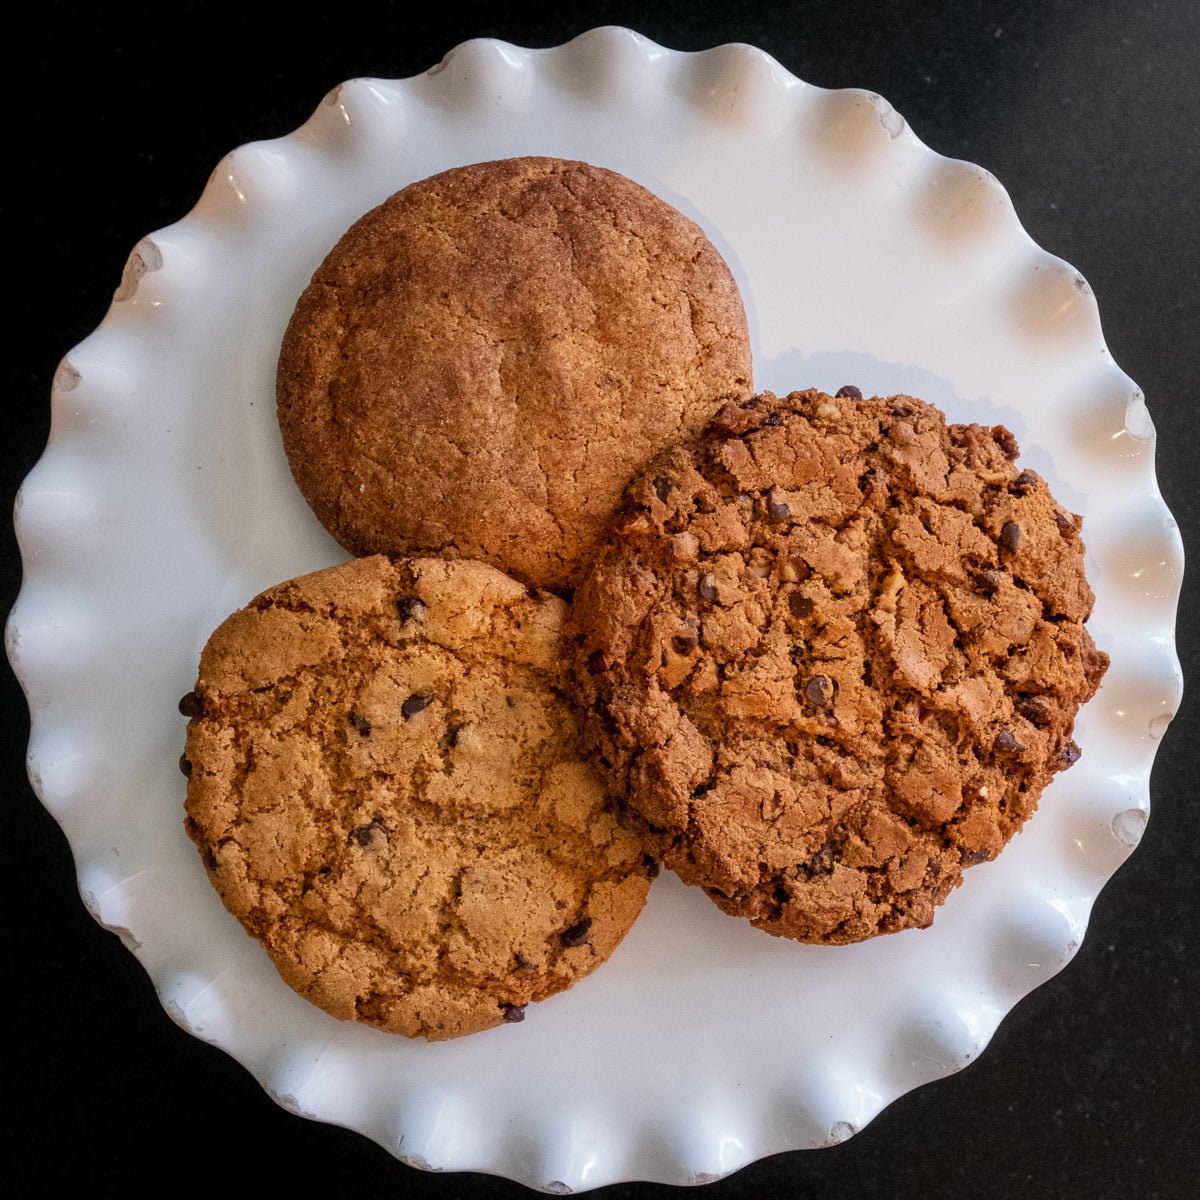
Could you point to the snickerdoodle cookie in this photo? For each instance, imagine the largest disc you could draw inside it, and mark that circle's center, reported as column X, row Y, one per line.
column 483, row 361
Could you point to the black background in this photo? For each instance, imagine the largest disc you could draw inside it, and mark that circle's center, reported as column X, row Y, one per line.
column 1088, row 111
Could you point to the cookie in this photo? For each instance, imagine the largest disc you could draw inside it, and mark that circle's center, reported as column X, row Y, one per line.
column 483, row 361
column 385, row 788
column 834, row 652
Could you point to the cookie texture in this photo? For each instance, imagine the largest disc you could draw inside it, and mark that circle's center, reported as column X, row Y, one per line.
column 483, row 361
column 834, row 652
column 385, row 787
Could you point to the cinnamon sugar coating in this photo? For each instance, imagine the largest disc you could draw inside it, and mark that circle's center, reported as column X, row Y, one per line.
column 482, row 362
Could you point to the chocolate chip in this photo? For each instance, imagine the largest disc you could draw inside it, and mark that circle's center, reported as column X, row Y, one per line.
column 1006, row 442
column 577, row 934
column 597, row 662
column 801, row 606
column 972, row 858
column 513, row 1013
column 1025, row 481
column 191, row 705
column 1010, row 536
column 901, row 410
column 663, row 487
column 777, row 511
column 360, row 724
column 819, row 691
column 1065, row 525
column 362, row 835
column 683, row 644
column 706, row 589
column 1068, row 754
column 1006, row 743
column 521, row 963
column 651, row 865
column 988, row 581
column 771, row 420
column 410, row 608
column 1035, row 709
column 416, row 703
column 847, row 392
column 821, row 861
column 208, row 858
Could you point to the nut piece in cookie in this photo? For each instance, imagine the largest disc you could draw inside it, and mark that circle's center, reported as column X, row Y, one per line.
column 385, row 787
column 834, row 650
column 482, row 362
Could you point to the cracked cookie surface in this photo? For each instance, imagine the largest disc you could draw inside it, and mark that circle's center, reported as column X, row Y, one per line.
column 483, row 361
column 834, row 650
column 385, row 786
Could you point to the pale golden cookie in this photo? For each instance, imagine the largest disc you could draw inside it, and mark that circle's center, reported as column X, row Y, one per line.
column 385, row 786
column 834, row 651
column 483, row 361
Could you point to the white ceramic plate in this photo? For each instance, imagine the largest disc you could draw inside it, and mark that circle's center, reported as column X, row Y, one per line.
column 164, row 502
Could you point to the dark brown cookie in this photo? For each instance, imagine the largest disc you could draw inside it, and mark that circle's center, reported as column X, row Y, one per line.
column 834, row 651
column 385, row 786
column 483, row 361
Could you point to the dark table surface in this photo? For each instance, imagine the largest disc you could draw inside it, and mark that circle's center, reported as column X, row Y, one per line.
column 1088, row 111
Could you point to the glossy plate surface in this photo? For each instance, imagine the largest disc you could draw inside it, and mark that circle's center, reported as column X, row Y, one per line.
column 164, row 502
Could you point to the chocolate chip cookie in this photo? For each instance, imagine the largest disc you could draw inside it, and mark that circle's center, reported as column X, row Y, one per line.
column 834, row 651
column 483, row 361
column 385, row 787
